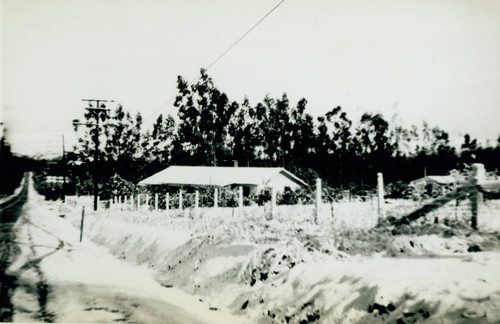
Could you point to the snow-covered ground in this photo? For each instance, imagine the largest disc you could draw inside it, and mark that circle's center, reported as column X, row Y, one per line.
column 291, row 270
column 61, row 279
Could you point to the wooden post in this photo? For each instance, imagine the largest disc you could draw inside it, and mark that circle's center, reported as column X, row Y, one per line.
column 138, row 201
column 318, row 200
column 180, row 199
column 478, row 173
column 81, row 224
column 380, row 194
column 156, row 202
column 273, row 202
column 167, row 201
column 196, row 198
column 216, row 197
column 98, row 202
column 478, row 177
column 131, row 202
column 240, row 196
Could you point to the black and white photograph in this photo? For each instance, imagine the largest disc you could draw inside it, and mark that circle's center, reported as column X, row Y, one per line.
column 263, row 161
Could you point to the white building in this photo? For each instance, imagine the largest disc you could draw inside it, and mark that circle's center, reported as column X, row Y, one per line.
column 251, row 178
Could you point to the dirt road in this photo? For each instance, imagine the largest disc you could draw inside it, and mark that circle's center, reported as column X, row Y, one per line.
column 49, row 276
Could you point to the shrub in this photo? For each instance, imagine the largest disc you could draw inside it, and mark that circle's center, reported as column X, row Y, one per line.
column 262, row 197
column 288, row 197
column 398, row 189
column 228, row 197
column 116, row 186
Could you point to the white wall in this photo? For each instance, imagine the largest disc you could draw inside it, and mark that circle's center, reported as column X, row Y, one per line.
column 279, row 182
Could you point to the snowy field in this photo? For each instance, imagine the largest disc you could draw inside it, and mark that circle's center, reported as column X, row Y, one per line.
column 290, row 270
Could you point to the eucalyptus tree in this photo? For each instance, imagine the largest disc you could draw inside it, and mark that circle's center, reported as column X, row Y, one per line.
column 204, row 114
column 342, row 157
column 302, row 137
column 244, row 134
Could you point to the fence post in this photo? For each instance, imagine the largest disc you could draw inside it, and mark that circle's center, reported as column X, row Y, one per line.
column 98, row 202
column 380, row 194
column 478, row 177
column 81, row 224
column 196, row 198
column 318, row 200
column 240, row 199
column 131, row 202
column 167, row 201
column 180, row 199
column 138, row 201
column 156, row 202
column 216, row 197
column 273, row 202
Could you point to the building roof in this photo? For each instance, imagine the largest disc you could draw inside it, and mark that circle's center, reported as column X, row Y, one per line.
column 217, row 176
column 443, row 180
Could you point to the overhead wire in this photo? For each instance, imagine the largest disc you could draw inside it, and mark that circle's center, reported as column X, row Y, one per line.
column 218, row 57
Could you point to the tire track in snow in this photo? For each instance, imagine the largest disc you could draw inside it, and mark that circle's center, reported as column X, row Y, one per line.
column 9, row 213
column 43, row 289
column 8, row 282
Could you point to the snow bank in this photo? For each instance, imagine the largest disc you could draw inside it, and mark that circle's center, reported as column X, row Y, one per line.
column 290, row 270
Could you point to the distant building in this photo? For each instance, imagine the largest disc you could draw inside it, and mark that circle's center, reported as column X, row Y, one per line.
column 435, row 184
column 54, row 180
column 252, row 179
column 439, row 180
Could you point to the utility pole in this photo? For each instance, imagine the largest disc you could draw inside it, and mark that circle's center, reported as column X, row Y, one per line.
column 64, row 171
column 96, row 111
column 1, row 138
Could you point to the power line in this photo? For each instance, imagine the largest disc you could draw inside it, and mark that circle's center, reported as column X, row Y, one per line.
column 245, row 34
column 220, row 56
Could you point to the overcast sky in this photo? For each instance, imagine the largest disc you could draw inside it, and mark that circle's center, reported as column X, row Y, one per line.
column 436, row 60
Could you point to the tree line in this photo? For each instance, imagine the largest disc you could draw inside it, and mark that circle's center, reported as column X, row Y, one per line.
column 213, row 130
column 12, row 167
